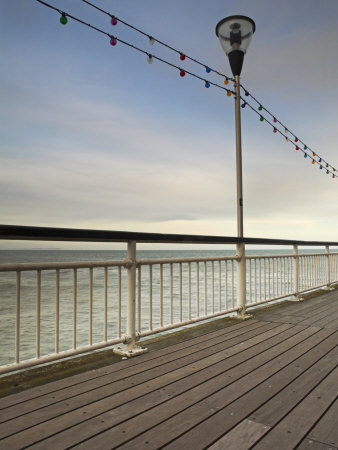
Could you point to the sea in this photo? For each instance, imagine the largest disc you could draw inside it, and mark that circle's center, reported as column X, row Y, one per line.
column 151, row 315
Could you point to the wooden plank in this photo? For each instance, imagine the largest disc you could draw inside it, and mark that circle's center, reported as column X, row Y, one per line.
column 241, row 437
column 214, row 427
column 280, row 405
column 119, row 368
column 186, row 411
column 320, row 315
column 326, row 430
column 330, row 320
column 90, row 404
column 129, row 377
column 292, row 429
column 309, row 444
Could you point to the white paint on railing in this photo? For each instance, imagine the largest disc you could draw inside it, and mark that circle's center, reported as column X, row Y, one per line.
column 182, row 293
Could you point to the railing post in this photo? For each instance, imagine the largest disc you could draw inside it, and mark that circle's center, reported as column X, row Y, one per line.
column 327, row 269
column 296, row 296
column 132, row 349
column 241, row 281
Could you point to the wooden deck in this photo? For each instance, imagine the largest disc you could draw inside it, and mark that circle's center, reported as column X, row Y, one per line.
column 266, row 383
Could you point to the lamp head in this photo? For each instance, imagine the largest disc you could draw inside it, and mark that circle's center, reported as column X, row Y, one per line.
column 235, row 33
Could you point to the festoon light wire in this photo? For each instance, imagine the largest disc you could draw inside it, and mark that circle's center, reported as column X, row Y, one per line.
column 220, row 74
column 273, row 125
column 158, row 41
column 207, row 83
column 287, row 130
column 65, row 14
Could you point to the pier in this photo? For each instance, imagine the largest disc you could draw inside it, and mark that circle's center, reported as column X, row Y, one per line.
column 268, row 382
column 259, row 371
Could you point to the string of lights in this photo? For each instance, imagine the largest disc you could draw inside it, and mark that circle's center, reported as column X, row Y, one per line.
column 182, row 72
column 286, row 130
column 115, row 20
column 152, row 40
column 114, row 40
column 321, row 163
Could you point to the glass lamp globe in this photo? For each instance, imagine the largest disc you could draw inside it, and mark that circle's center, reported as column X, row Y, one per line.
column 235, row 33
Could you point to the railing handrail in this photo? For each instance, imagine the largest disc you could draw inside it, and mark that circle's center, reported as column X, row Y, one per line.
column 20, row 232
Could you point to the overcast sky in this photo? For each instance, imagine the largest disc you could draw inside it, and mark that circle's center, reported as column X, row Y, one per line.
column 92, row 136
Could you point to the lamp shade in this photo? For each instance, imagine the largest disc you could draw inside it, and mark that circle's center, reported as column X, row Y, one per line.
column 235, row 33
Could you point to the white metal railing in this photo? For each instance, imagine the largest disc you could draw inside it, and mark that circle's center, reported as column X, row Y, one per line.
column 54, row 310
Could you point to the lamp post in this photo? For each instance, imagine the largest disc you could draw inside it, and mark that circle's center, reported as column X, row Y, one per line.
column 235, row 33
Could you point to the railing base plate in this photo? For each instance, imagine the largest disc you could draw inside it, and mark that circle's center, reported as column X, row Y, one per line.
column 295, row 299
column 243, row 316
column 130, row 352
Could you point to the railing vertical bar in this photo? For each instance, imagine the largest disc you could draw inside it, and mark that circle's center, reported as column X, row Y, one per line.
column 260, row 279
column 150, row 297
column 171, row 295
column 197, row 289
column 38, row 313
column 269, row 280
column 255, row 280
column 119, row 303
column 280, row 273
column 274, row 277
column 57, row 311
column 17, row 317
column 181, row 292
column 226, row 285
column 213, row 285
column 205, row 289
column 189, row 290
column 161, row 295
column 105, row 308
column 264, row 267
column 233, row 286
column 74, row 308
column 220, row 285
column 250, row 281
column 90, row 306
column 139, row 300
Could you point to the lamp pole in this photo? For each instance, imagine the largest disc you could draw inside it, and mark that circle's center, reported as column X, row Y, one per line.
column 239, row 177
column 235, row 34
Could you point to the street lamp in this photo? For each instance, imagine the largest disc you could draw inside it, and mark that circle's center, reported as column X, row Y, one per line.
column 235, row 33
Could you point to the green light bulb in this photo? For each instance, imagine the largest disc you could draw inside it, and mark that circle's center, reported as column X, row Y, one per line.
column 63, row 19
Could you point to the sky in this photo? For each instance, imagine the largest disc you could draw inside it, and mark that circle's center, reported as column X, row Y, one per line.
column 92, row 136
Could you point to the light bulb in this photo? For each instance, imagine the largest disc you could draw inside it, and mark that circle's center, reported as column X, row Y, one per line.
column 305, row 155
column 260, row 108
column 63, row 19
column 261, row 118
column 243, row 105
column 246, row 93
column 151, row 40
column 275, row 130
column 207, row 84
column 150, row 59
column 229, row 93
column 182, row 57
column 113, row 21
column 226, row 81
column 182, row 73
column 296, row 139
column 313, row 161
column 274, row 119
column 207, row 69
column 113, row 41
